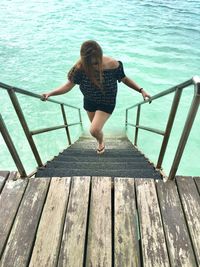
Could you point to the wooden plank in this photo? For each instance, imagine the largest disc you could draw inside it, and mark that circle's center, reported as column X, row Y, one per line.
column 197, row 181
column 46, row 248
column 73, row 243
column 154, row 248
column 3, row 177
column 126, row 224
column 191, row 203
column 13, row 176
column 9, row 202
column 2, row 182
column 20, row 242
column 178, row 240
column 4, row 174
column 99, row 249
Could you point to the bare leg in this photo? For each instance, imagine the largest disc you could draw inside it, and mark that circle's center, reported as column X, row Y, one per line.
column 91, row 115
column 98, row 122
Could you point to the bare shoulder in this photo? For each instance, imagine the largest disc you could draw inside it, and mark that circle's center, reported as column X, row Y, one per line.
column 78, row 65
column 110, row 63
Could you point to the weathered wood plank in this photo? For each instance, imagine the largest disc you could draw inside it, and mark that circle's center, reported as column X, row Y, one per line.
column 197, row 180
column 20, row 241
column 73, row 243
column 126, row 224
column 152, row 235
column 99, row 249
column 178, row 240
column 2, row 182
column 13, row 176
column 46, row 248
column 9, row 202
column 191, row 203
column 3, row 177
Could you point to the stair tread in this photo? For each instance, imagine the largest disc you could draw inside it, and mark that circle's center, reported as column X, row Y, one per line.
column 136, row 173
column 94, row 147
column 99, row 165
column 69, row 158
column 121, row 159
column 110, row 152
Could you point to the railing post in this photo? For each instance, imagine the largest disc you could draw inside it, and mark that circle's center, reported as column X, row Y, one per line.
column 80, row 119
column 22, row 120
column 126, row 119
column 169, row 125
column 65, row 122
column 12, row 148
column 79, row 112
column 137, row 123
column 186, row 131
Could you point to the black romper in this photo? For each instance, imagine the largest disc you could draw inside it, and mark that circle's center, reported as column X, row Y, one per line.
column 96, row 98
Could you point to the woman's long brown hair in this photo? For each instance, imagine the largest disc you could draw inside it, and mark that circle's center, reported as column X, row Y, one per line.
column 90, row 62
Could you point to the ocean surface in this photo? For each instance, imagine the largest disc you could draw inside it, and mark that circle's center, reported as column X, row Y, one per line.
column 157, row 41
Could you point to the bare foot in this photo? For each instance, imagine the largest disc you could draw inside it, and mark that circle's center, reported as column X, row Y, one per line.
column 101, row 148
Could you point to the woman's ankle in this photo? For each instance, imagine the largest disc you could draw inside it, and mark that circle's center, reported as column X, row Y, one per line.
column 101, row 144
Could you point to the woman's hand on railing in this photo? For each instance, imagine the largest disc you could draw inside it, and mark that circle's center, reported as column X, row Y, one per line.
column 145, row 95
column 45, row 96
column 59, row 91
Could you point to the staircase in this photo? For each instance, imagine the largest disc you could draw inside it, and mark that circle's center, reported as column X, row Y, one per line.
column 121, row 159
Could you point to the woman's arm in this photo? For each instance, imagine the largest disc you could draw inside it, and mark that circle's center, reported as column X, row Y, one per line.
column 130, row 83
column 59, row 91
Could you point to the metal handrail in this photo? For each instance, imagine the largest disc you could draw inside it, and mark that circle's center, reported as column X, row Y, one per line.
column 29, row 134
column 28, row 93
column 166, row 134
column 11, row 147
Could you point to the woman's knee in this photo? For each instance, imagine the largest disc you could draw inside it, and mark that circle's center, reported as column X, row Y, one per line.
column 95, row 131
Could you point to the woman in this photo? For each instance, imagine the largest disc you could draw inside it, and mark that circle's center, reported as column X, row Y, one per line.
column 97, row 76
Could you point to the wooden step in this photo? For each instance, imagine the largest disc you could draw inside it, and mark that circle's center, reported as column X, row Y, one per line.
column 136, row 173
column 70, row 158
column 120, row 159
column 99, row 165
column 100, row 221
column 107, row 153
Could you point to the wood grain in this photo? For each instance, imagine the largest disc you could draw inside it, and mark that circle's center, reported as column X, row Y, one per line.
column 178, row 240
column 126, row 224
column 154, row 250
column 9, row 202
column 20, row 242
column 197, row 180
column 99, row 249
column 191, row 204
column 3, row 177
column 50, row 229
column 74, row 236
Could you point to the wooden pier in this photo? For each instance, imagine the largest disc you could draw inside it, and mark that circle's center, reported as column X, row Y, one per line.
column 99, row 221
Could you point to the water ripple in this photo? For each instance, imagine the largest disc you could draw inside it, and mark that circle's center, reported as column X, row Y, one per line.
column 158, row 41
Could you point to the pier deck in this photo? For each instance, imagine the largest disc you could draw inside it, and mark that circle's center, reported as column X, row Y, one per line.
column 99, row 221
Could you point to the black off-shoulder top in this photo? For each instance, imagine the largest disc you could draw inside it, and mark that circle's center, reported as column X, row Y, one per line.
column 106, row 95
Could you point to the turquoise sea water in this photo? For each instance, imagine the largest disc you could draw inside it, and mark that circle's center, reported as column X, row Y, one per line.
column 158, row 42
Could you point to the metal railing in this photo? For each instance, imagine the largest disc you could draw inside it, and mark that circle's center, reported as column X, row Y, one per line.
column 29, row 134
column 166, row 134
